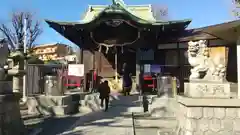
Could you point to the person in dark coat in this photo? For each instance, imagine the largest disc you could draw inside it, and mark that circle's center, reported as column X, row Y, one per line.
column 127, row 80
column 104, row 91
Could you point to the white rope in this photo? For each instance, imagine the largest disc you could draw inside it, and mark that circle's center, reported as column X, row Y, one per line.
column 111, row 45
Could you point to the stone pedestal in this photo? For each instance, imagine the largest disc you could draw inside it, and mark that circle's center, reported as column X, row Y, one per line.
column 208, row 116
column 6, row 87
column 208, row 89
column 10, row 118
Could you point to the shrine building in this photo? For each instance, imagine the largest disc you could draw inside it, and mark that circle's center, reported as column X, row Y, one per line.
column 110, row 35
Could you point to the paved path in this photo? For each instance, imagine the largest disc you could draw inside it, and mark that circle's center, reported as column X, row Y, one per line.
column 107, row 123
column 112, row 122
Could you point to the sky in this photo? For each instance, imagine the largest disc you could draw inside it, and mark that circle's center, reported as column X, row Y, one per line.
column 202, row 12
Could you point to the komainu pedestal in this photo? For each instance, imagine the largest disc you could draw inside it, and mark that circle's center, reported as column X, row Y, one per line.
column 207, row 106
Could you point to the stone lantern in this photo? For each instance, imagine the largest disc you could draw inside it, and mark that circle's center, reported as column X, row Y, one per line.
column 11, row 122
column 16, row 69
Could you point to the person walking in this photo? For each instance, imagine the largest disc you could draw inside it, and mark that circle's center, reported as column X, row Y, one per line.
column 127, row 87
column 104, row 91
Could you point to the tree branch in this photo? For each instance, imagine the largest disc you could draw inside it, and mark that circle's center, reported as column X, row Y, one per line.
column 15, row 33
column 8, row 34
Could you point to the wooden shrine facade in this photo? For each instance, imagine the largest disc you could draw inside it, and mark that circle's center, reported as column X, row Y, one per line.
column 170, row 55
column 111, row 35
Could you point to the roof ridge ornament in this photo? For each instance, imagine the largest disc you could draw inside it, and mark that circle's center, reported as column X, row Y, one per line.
column 119, row 3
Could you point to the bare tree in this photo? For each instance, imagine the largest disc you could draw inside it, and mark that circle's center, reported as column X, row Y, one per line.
column 236, row 8
column 14, row 33
column 160, row 12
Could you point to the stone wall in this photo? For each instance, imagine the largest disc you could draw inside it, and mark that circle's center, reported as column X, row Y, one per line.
column 10, row 118
column 209, row 116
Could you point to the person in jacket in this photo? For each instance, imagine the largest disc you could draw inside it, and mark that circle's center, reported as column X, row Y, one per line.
column 104, row 91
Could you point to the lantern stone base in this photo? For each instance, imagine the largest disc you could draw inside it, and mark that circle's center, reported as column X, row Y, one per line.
column 208, row 116
column 209, row 89
column 10, row 117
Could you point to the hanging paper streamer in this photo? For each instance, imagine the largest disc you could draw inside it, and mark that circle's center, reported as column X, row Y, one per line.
column 107, row 48
column 100, row 48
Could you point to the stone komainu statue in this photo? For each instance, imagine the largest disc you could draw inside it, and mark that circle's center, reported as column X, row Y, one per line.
column 203, row 67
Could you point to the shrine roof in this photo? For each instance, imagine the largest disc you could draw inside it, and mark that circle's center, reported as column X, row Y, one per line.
column 184, row 22
column 141, row 14
column 194, row 34
column 228, row 31
column 141, row 11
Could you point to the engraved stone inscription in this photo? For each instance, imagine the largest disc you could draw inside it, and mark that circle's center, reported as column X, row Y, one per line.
column 196, row 89
column 202, row 88
column 218, row 89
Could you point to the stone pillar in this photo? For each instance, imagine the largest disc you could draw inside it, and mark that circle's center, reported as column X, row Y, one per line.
column 238, row 65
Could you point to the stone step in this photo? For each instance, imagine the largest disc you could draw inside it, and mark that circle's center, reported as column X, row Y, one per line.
column 159, row 107
column 122, row 109
column 115, row 100
column 151, row 125
column 54, row 110
column 161, row 123
column 49, row 100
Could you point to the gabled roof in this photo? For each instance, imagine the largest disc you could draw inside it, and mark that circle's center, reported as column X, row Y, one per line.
column 228, row 31
column 194, row 34
column 139, row 14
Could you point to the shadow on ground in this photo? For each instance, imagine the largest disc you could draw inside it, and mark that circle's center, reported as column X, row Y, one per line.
column 58, row 125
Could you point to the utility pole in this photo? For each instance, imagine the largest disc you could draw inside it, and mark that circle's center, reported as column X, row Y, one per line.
column 24, row 98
